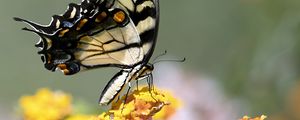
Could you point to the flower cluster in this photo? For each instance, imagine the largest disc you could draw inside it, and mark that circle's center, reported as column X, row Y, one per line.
column 142, row 105
column 139, row 105
column 263, row 117
column 46, row 105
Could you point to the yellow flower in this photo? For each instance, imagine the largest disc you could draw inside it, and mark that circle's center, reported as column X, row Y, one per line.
column 46, row 105
column 263, row 117
column 79, row 117
column 167, row 111
column 139, row 105
column 142, row 105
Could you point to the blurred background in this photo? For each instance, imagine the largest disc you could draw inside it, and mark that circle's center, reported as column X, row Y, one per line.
column 242, row 57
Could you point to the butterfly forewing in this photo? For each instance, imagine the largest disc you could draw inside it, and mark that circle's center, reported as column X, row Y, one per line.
column 86, row 37
column 116, row 46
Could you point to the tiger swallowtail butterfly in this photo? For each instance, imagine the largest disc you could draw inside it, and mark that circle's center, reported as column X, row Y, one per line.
column 101, row 33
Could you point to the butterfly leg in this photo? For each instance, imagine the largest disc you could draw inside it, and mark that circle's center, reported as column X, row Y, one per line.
column 127, row 92
column 149, row 78
column 141, row 78
column 151, row 85
column 137, row 85
column 126, row 95
column 117, row 99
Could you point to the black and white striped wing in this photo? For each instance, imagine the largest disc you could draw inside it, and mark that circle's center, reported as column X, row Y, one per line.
column 145, row 15
column 87, row 37
column 117, row 46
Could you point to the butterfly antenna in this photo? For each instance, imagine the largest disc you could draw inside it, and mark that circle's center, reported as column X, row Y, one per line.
column 162, row 54
column 182, row 60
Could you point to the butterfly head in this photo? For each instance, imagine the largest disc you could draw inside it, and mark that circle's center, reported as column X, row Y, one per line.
column 146, row 70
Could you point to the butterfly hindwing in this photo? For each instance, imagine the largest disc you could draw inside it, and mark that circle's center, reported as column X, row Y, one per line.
column 85, row 37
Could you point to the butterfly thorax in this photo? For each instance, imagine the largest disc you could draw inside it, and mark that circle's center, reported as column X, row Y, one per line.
column 141, row 71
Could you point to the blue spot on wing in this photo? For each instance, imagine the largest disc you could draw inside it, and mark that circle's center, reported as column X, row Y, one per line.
column 67, row 24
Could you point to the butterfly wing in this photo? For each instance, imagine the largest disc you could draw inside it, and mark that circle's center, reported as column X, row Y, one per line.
column 145, row 15
column 100, row 33
column 116, row 46
column 114, row 87
column 85, row 37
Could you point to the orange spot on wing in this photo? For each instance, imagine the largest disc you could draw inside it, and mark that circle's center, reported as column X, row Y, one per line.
column 119, row 16
column 66, row 71
column 62, row 66
column 63, row 32
column 81, row 24
column 49, row 58
column 100, row 17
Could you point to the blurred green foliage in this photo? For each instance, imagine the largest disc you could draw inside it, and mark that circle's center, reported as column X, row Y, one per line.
column 251, row 46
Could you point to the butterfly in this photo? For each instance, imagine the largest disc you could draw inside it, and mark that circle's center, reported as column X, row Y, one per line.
column 101, row 33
